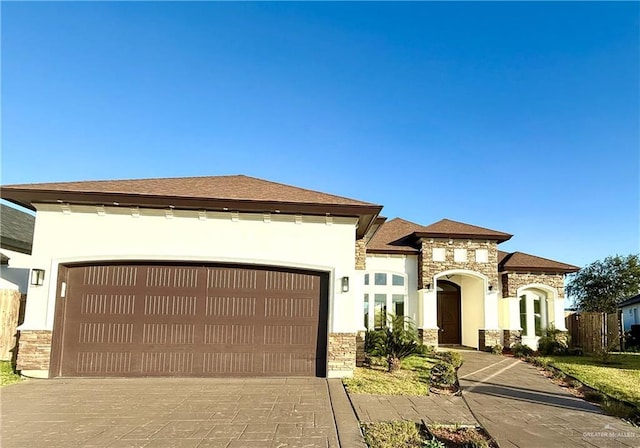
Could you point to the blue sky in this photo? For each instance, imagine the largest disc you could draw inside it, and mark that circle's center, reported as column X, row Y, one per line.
column 521, row 117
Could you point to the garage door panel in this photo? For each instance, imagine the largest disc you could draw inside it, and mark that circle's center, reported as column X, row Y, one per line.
column 158, row 320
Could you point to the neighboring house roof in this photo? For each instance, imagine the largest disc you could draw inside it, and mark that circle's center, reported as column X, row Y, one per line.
column 395, row 236
column 446, row 228
column 16, row 229
column 630, row 301
column 235, row 193
column 521, row 262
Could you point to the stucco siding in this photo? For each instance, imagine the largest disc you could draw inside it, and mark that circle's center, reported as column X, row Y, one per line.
column 86, row 234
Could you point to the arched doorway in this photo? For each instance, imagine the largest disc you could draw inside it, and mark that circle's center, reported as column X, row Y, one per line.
column 450, row 329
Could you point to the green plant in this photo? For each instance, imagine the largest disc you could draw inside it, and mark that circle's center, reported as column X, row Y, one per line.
column 398, row 341
column 443, row 374
column 373, row 341
column 521, row 351
column 618, row 409
column 453, row 358
column 433, row 443
column 497, row 349
column 7, row 374
column 593, row 396
column 554, row 342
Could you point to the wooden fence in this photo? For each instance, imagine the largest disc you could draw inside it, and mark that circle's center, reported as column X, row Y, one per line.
column 594, row 332
column 11, row 315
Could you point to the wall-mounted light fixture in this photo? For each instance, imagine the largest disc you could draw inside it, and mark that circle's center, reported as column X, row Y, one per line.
column 429, row 286
column 37, row 277
column 490, row 287
column 345, row 284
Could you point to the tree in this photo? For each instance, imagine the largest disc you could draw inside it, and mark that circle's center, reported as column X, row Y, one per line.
column 603, row 284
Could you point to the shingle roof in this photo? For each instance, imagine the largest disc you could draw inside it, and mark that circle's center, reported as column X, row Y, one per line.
column 519, row 261
column 630, row 301
column 447, row 228
column 394, row 236
column 239, row 187
column 16, row 229
column 233, row 193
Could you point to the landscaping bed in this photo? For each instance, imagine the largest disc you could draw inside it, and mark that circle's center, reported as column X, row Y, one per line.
column 413, row 435
column 411, row 379
column 614, row 385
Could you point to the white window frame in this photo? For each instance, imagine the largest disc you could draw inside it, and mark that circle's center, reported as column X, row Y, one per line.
column 389, row 290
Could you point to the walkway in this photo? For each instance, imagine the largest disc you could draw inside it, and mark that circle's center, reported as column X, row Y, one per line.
column 520, row 407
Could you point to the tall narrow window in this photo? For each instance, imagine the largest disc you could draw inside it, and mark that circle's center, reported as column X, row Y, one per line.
column 398, row 304
column 380, row 310
column 366, row 279
column 366, row 311
column 523, row 314
column 537, row 316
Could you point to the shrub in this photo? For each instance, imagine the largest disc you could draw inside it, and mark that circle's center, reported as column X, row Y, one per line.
column 553, row 342
column 396, row 342
column 453, row 358
column 497, row 349
column 443, row 374
column 521, row 351
column 592, row 395
column 434, row 443
column 373, row 340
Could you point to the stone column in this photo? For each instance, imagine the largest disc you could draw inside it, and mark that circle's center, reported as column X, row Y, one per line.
column 428, row 317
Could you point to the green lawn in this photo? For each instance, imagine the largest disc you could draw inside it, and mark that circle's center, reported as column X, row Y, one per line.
column 7, row 376
column 411, row 379
column 620, row 378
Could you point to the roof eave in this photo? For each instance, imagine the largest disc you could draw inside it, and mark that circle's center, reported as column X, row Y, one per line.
column 366, row 213
column 470, row 236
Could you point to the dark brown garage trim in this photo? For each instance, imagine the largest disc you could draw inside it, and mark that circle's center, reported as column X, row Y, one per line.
column 182, row 319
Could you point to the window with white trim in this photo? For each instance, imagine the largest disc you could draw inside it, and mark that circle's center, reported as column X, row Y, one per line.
column 386, row 295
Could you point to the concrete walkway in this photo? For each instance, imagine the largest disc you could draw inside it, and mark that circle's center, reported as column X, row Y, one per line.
column 441, row 409
column 520, row 407
column 184, row 412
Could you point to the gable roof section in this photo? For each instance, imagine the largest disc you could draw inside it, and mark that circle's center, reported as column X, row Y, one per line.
column 446, row 228
column 630, row 301
column 16, row 229
column 521, row 262
column 235, row 193
column 395, row 236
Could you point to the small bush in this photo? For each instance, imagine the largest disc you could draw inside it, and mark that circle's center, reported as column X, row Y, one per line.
column 521, row 351
column 443, row 374
column 453, row 358
column 593, row 396
column 497, row 349
column 373, row 341
column 434, row 443
column 618, row 409
column 553, row 342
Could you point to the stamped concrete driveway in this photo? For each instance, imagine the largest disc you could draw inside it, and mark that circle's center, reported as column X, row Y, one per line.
column 155, row 412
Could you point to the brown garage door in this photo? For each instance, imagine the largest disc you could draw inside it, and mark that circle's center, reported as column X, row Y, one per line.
column 158, row 320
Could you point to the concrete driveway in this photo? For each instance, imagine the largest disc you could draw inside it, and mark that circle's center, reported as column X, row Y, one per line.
column 154, row 412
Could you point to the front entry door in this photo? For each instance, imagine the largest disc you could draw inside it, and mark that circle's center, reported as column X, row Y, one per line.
column 449, row 313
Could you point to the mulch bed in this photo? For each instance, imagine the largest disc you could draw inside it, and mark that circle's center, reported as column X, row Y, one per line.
column 454, row 437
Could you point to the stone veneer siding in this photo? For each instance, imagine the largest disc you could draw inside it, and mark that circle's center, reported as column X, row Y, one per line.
column 361, row 255
column 427, row 268
column 511, row 281
column 428, row 336
column 511, row 337
column 342, row 352
column 488, row 338
column 34, row 350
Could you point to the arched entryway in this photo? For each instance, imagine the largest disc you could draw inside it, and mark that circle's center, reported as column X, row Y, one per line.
column 449, row 321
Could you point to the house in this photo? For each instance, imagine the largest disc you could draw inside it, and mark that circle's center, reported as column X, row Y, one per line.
column 16, row 235
column 238, row 276
column 630, row 310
